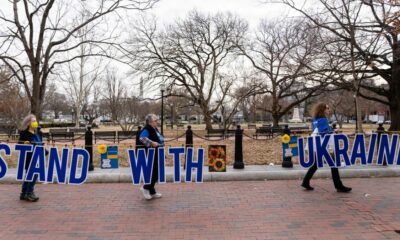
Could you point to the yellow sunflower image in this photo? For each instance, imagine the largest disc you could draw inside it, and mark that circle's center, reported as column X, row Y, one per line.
column 221, row 152
column 285, row 138
column 219, row 165
column 211, row 162
column 102, row 148
column 213, row 153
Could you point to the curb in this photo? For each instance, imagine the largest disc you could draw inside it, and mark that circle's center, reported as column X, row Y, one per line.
column 249, row 173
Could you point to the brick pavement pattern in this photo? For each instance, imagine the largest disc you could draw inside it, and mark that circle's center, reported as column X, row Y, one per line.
column 213, row 210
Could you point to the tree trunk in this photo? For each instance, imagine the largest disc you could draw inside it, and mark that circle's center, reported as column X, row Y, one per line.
column 207, row 120
column 395, row 88
column 275, row 120
column 78, row 115
column 395, row 117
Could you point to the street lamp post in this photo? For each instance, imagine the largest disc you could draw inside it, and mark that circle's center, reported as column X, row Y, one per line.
column 162, row 88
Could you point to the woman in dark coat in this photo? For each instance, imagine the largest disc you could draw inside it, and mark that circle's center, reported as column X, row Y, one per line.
column 150, row 137
column 28, row 135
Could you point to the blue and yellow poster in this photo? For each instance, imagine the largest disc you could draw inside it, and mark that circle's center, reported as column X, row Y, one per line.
column 289, row 146
column 109, row 159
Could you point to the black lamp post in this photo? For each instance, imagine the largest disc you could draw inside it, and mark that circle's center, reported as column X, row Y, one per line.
column 162, row 88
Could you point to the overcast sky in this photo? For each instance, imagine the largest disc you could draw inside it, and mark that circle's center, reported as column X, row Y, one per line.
column 250, row 10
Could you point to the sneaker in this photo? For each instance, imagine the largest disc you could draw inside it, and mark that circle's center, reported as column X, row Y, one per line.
column 146, row 193
column 344, row 189
column 22, row 196
column 156, row 195
column 307, row 187
column 31, row 197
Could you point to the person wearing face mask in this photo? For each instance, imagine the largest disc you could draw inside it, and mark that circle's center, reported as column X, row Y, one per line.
column 28, row 135
column 320, row 115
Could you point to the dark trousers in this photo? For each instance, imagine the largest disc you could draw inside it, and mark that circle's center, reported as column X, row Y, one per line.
column 29, row 187
column 335, row 176
column 154, row 177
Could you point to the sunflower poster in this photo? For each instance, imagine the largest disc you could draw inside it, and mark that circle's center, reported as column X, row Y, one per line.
column 289, row 146
column 108, row 156
column 217, row 158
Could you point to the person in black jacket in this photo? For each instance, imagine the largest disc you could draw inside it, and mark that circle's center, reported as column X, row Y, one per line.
column 150, row 137
column 27, row 135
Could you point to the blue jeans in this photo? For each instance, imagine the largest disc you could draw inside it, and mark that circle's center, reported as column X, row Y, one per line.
column 29, row 187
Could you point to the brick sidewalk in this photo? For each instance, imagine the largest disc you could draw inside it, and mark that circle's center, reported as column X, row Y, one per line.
column 216, row 210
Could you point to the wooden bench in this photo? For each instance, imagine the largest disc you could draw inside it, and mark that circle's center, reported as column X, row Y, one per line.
column 251, row 126
column 264, row 131
column 230, row 133
column 125, row 135
column 9, row 133
column 180, row 125
column 61, row 137
column 105, row 135
column 77, row 130
column 219, row 132
column 276, row 130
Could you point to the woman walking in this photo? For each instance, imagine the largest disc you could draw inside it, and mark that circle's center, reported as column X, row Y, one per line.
column 28, row 135
column 150, row 137
column 320, row 115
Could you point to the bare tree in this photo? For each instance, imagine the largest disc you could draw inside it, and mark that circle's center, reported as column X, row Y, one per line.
column 342, row 104
column 55, row 101
column 114, row 93
column 78, row 82
column 191, row 54
column 13, row 103
column 38, row 36
column 287, row 57
column 370, row 29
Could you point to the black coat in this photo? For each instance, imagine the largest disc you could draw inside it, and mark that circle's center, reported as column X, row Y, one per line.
column 26, row 137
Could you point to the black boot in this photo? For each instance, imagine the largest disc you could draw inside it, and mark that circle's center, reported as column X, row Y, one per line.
column 22, row 196
column 343, row 189
column 307, row 186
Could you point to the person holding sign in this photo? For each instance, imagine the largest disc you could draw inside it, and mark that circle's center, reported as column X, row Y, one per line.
column 150, row 137
column 28, row 135
column 320, row 123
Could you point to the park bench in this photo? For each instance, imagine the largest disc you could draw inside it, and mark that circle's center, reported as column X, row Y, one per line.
column 230, row 133
column 125, row 135
column 276, row 130
column 105, row 135
column 180, row 125
column 264, row 131
column 9, row 133
column 219, row 132
column 251, row 126
column 77, row 130
column 60, row 135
